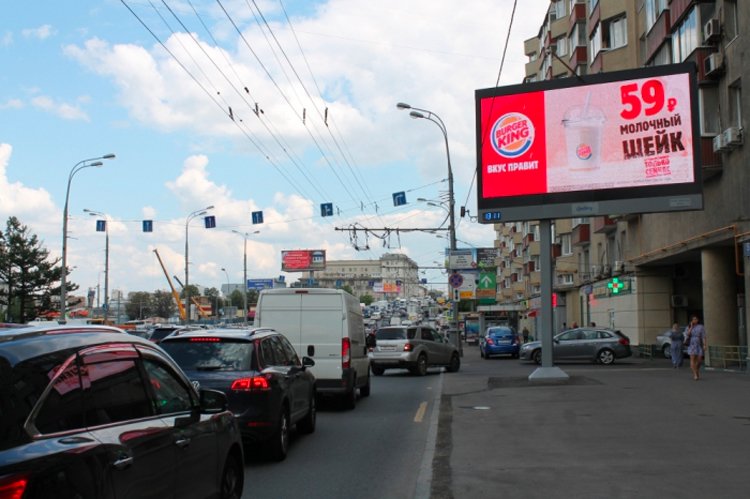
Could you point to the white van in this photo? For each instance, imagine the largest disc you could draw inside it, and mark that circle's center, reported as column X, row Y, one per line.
column 326, row 325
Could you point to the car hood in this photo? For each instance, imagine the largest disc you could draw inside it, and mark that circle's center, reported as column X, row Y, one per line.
column 531, row 344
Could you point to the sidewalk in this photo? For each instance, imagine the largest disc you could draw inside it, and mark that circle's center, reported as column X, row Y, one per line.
column 637, row 428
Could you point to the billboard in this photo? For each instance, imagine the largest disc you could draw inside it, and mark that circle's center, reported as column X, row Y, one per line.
column 612, row 143
column 301, row 260
column 470, row 258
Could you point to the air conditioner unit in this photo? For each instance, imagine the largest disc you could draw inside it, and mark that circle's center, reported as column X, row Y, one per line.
column 732, row 137
column 596, row 272
column 720, row 144
column 712, row 31
column 607, row 270
column 619, row 267
column 679, row 301
column 712, row 65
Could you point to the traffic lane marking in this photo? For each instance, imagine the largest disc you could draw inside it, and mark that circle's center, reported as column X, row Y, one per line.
column 419, row 416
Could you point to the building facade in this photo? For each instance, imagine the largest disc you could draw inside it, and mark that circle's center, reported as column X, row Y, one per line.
column 391, row 276
column 641, row 272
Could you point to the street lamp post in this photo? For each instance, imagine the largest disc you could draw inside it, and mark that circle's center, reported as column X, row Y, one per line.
column 191, row 216
column 227, row 276
column 244, row 272
column 106, row 258
column 417, row 113
column 86, row 163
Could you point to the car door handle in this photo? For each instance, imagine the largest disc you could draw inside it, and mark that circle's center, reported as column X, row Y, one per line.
column 123, row 463
column 183, row 442
column 75, row 440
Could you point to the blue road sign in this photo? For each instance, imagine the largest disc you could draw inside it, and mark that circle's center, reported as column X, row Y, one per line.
column 101, row 225
column 399, row 198
column 326, row 209
column 456, row 280
column 210, row 222
column 148, row 226
column 257, row 217
column 259, row 284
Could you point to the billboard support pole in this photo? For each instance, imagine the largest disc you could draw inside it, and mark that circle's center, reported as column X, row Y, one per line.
column 547, row 371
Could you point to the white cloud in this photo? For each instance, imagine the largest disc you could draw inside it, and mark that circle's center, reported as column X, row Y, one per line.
column 12, row 104
column 7, row 39
column 60, row 109
column 41, row 33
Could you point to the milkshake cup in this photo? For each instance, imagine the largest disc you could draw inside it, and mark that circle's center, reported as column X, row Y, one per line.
column 583, row 136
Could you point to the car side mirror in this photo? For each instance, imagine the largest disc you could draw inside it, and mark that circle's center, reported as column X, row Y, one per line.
column 307, row 362
column 370, row 341
column 311, row 350
column 213, row 401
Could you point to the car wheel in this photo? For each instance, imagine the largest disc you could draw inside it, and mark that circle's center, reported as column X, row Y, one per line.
column 232, row 478
column 666, row 351
column 365, row 390
column 279, row 443
column 307, row 424
column 455, row 363
column 350, row 398
column 606, row 357
column 377, row 370
column 537, row 355
column 421, row 368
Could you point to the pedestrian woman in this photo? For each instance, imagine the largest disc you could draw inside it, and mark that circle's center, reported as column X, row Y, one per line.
column 676, row 339
column 695, row 339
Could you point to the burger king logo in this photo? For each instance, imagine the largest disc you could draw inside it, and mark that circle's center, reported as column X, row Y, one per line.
column 583, row 151
column 512, row 135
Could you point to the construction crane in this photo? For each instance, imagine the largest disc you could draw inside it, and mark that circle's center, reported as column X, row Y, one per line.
column 195, row 301
column 175, row 294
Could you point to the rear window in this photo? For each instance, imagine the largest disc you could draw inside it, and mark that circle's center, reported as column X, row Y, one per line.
column 20, row 388
column 211, row 354
column 500, row 331
column 161, row 333
column 396, row 333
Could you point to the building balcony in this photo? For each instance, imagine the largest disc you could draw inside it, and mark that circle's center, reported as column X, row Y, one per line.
column 579, row 55
column 577, row 14
column 519, row 287
column 604, row 225
column 581, row 235
column 534, row 248
column 658, row 34
column 535, row 278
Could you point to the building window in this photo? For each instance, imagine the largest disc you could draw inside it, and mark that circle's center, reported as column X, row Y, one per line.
column 580, row 221
column 709, row 110
column 578, row 36
column 731, row 26
column 663, row 55
column 595, row 43
column 562, row 46
column 686, row 37
column 592, row 5
column 654, row 9
column 735, row 104
column 616, row 32
column 565, row 279
column 566, row 244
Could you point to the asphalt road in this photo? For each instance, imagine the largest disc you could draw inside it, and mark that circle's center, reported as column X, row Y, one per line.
column 376, row 450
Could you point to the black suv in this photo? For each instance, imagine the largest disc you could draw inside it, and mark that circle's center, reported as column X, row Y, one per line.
column 93, row 412
column 268, row 387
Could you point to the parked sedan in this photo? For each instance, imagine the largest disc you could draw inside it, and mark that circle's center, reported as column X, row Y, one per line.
column 92, row 412
column 664, row 344
column 499, row 340
column 415, row 348
column 597, row 344
column 269, row 388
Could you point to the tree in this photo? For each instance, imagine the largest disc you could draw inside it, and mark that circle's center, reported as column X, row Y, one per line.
column 213, row 294
column 194, row 291
column 30, row 277
column 237, row 298
column 367, row 299
column 140, row 305
column 347, row 288
column 163, row 304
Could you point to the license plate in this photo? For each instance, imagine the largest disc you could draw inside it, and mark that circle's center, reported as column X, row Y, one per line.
column 389, row 348
column 503, row 342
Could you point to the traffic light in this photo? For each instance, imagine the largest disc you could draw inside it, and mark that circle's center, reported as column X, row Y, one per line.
column 615, row 286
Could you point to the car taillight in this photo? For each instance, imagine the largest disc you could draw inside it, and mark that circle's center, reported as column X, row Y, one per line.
column 346, row 353
column 13, row 486
column 254, row 384
column 205, row 339
column 490, row 342
column 408, row 347
column 623, row 341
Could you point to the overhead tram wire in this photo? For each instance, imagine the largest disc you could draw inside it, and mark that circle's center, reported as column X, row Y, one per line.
column 497, row 83
column 286, row 99
column 274, row 134
column 367, row 195
column 225, row 111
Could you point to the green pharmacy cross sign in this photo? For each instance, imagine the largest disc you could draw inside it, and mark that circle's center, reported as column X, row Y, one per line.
column 615, row 286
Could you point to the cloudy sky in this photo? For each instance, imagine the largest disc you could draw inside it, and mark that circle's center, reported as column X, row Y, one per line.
column 247, row 105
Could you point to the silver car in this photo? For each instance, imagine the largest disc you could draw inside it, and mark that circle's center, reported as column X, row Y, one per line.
column 415, row 348
column 600, row 345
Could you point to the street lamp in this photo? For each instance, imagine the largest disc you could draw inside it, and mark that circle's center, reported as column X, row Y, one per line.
column 226, row 274
column 85, row 163
column 244, row 271
column 106, row 258
column 418, row 113
column 191, row 216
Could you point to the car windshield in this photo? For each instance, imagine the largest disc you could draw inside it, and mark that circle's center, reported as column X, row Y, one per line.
column 396, row 333
column 198, row 354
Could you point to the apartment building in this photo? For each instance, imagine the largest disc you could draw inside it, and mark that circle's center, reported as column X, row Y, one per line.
column 392, row 275
column 641, row 272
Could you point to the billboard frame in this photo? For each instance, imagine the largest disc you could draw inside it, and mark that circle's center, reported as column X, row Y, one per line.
column 683, row 196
